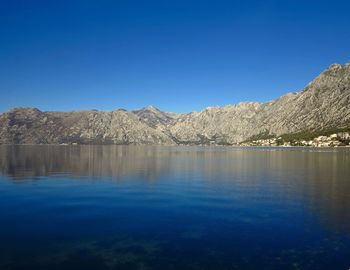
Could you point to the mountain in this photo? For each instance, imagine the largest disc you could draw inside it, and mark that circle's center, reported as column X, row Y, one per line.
column 31, row 126
column 324, row 104
column 154, row 117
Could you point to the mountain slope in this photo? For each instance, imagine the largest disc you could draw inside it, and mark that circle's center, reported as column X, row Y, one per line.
column 154, row 117
column 32, row 126
column 322, row 105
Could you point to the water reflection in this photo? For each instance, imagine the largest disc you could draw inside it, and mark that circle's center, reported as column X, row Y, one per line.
column 241, row 194
column 118, row 161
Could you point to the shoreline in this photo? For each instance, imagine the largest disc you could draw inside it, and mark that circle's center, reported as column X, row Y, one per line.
column 188, row 145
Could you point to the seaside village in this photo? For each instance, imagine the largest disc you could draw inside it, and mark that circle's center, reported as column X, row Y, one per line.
column 333, row 140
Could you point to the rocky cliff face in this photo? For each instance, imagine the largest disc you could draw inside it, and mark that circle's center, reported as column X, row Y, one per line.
column 32, row 126
column 154, row 117
column 323, row 104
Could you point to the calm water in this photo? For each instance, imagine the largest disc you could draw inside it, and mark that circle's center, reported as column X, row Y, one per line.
column 124, row 207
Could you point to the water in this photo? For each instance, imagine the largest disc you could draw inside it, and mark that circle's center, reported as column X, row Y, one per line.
column 128, row 207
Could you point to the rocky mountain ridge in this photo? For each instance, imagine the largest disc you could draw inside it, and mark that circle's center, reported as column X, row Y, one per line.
column 323, row 104
column 154, row 117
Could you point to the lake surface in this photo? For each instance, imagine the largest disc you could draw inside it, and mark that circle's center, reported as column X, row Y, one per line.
column 129, row 207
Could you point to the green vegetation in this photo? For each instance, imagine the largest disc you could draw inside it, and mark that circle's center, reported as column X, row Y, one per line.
column 309, row 135
column 296, row 138
column 261, row 136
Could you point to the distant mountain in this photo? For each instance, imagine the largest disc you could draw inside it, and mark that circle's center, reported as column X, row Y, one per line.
column 323, row 104
column 31, row 126
column 154, row 117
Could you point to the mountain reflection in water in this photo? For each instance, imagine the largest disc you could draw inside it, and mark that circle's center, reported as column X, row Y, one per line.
column 288, row 193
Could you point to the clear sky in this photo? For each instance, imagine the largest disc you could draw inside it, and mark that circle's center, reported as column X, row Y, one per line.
column 179, row 55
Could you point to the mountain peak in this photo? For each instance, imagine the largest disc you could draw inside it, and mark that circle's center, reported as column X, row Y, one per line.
column 153, row 116
column 322, row 105
column 151, row 108
column 25, row 109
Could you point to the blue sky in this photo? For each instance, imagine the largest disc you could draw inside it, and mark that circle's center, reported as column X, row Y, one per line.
column 177, row 55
